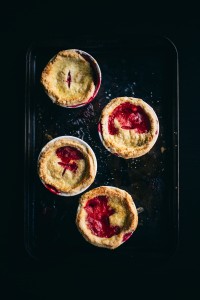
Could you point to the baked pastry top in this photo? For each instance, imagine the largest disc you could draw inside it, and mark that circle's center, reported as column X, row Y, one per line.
column 106, row 216
column 128, row 127
column 66, row 166
column 68, row 79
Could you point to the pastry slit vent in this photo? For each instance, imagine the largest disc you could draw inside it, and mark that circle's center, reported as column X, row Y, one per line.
column 67, row 155
column 69, row 79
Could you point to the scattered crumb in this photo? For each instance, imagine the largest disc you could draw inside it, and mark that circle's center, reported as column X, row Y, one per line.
column 48, row 137
column 163, row 149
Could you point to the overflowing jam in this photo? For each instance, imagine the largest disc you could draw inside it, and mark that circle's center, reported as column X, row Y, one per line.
column 129, row 116
column 98, row 213
column 99, row 127
column 68, row 156
column 127, row 236
column 52, row 189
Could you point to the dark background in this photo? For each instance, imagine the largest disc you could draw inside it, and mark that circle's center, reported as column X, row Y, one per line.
column 22, row 24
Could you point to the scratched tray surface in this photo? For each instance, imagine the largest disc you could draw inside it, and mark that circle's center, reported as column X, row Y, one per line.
column 146, row 71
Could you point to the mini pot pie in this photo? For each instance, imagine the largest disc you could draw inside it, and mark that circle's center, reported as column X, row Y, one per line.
column 128, row 127
column 71, row 78
column 67, row 166
column 106, row 216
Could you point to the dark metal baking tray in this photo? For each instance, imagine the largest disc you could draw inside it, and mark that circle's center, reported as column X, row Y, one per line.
column 139, row 66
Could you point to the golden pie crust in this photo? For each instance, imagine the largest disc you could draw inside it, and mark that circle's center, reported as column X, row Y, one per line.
column 55, row 75
column 129, row 143
column 125, row 216
column 51, row 172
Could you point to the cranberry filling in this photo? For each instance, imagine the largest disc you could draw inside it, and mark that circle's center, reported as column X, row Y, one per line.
column 127, row 236
column 52, row 189
column 69, row 79
column 67, row 155
column 129, row 116
column 98, row 213
column 99, row 127
column 71, row 166
column 116, row 154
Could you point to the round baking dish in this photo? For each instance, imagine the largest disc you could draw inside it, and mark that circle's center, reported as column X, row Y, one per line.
column 51, row 170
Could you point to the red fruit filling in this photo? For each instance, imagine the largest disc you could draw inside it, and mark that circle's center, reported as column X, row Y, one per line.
column 127, row 236
column 52, row 189
column 99, row 127
column 129, row 116
column 98, row 213
column 67, row 155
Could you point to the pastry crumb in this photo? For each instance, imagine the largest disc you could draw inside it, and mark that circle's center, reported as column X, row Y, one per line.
column 48, row 137
column 163, row 149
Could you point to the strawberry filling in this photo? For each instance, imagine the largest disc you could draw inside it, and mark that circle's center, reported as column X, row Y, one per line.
column 52, row 189
column 127, row 236
column 68, row 156
column 129, row 116
column 98, row 213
